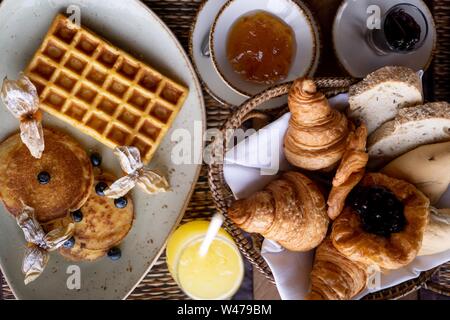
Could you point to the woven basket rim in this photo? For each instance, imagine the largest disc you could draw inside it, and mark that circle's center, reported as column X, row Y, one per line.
column 223, row 197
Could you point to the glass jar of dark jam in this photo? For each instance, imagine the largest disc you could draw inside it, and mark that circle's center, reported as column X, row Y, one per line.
column 404, row 29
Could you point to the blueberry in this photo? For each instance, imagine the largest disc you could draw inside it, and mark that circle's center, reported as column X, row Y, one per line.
column 100, row 188
column 43, row 177
column 69, row 243
column 121, row 202
column 114, row 253
column 77, row 216
column 96, row 159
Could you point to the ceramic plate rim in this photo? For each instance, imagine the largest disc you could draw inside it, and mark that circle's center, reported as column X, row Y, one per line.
column 191, row 54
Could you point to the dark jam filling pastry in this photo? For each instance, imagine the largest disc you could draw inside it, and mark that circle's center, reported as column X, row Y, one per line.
column 380, row 211
column 401, row 30
column 43, row 177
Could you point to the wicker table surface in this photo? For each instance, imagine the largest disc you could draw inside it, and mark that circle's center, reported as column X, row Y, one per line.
column 179, row 15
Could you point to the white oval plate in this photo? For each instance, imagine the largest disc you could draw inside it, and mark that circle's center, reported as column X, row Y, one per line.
column 349, row 31
column 133, row 27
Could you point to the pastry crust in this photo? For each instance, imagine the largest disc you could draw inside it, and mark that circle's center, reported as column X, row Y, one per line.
column 335, row 277
column 290, row 210
column 400, row 248
column 350, row 171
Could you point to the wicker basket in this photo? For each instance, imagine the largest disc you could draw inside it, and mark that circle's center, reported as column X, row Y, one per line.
column 223, row 197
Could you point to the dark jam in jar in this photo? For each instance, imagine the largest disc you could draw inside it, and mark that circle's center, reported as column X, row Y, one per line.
column 380, row 211
column 261, row 47
column 401, row 30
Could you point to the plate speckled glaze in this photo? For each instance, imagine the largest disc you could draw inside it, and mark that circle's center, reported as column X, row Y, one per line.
column 131, row 26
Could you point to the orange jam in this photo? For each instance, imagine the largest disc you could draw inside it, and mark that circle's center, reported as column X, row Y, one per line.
column 261, row 47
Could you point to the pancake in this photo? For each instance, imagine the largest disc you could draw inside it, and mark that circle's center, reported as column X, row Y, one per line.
column 103, row 224
column 78, row 253
column 69, row 167
column 102, row 227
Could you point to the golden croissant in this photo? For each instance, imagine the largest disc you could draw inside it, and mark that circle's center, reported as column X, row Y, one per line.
column 317, row 134
column 290, row 210
column 335, row 277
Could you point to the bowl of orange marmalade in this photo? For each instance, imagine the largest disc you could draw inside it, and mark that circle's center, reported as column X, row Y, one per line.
column 256, row 44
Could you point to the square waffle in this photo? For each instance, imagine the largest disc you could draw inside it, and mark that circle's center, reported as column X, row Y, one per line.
column 103, row 91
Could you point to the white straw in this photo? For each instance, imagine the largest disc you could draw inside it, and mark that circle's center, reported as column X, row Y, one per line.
column 213, row 229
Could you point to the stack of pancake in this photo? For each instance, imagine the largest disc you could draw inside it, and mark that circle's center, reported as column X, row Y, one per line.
column 61, row 187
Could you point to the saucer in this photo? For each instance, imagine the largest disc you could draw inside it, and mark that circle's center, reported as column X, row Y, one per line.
column 352, row 50
column 203, row 65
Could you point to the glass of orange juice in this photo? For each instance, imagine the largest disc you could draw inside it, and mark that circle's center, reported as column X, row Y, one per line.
column 217, row 275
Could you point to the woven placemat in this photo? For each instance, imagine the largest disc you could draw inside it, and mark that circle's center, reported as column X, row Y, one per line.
column 179, row 15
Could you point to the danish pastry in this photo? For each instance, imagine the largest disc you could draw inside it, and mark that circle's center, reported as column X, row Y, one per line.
column 385, row 223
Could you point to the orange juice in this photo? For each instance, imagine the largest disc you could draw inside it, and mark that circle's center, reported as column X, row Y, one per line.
column 217, row 275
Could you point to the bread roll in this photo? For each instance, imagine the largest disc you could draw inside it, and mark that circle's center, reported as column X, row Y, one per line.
column 436, row 238
column 427, row 167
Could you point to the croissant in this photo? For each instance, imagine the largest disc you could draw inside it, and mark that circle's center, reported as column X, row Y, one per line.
column 350, row 171
column 290, row 210
column 317, row 134
column 335, row 277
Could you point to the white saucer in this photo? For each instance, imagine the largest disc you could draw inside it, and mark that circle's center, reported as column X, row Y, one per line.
column 352, row 50
column 212, row 81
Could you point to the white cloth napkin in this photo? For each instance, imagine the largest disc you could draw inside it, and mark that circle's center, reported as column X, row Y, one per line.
column 246, row 171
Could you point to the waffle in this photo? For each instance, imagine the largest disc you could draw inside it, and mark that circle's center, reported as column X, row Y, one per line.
column 103, row 91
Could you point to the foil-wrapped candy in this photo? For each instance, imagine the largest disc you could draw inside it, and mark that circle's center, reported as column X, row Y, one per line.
column 137, row 174
column 39, row 243
column 21, row 99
